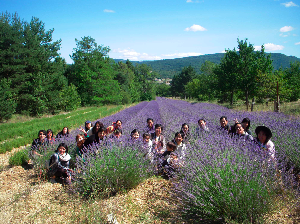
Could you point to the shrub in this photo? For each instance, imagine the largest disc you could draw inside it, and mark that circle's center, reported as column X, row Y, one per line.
column 111, row 168
column 19, row 158
column 232, row 180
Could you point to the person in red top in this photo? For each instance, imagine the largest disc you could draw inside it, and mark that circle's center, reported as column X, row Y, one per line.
column 114, row 126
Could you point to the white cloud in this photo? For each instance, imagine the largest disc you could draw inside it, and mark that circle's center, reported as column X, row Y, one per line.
column 298, row 43
column 181, row 55
column 189, row 1
column 135, row 56
column 284, row 35
column 195, row 28
column 270, row 47
column 286, row 29
column 109, row 11
column 289, row 4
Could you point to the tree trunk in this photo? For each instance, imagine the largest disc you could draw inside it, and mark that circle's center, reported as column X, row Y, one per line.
column 252, row 105
column 247, row 100
column 231, row 98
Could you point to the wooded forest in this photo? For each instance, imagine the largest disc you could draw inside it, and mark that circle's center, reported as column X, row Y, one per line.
column 35, row 80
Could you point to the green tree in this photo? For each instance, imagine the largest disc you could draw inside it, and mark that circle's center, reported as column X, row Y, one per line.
column 93, row 74
column 7, row 100
column 179, row 81
column 30, row 61
column 292, row 75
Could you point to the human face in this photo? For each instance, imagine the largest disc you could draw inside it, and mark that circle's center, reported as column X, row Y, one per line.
column 42, row 136
column 185, row 128
column 80, row 138
column 118, row 124
column 202, row 123
column 136, row 135
column 245, row 125
column 262, row 137
column 49, row 135
column 178, row 139
column 150, row 123
column 239, row 129
column 65, row 131
column 97, row 127
column 146, row 139
column 61, row 150
column 158, row 131
column 101, row 134
column 88, row 125
column 223, row 122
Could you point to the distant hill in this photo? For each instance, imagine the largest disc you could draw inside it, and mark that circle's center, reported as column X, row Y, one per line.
column 167, row 68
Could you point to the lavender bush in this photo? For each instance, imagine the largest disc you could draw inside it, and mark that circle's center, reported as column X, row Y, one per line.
column 222, row 177
column 110, row 167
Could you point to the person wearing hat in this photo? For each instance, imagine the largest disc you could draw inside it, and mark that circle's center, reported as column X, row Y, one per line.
column 264, row 135
column 87, row 127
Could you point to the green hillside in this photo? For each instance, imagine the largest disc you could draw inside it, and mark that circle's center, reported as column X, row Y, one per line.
column 167, row 68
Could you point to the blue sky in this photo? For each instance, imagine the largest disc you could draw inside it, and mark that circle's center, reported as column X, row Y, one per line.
column 165, row 29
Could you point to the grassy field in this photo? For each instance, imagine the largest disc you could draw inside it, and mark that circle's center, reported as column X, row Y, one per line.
column 21, row 130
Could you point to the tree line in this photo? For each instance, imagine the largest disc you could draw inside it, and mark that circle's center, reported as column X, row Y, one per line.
column 243, row 73
column 35, row 80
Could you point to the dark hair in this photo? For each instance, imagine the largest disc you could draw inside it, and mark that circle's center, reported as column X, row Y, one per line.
column 134, row 131
column 94, row 128
column 117, row 131
column 146, row 135
column 44, row 132
column 171, row 145
column 101, row 129
column 119, row 120
column 159, row 126
column 87, row 122
column 223, row 117
column 64, row 128
column 63, row 145
column 179, row 133
column 246, row 119
column 201, row 119
column 236, row 125
column 149, row 119
column 267, row 132
column 49, row 130
column 184, row 124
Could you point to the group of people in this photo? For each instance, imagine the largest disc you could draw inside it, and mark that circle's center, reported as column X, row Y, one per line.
column 241, row 130
column 168, row 157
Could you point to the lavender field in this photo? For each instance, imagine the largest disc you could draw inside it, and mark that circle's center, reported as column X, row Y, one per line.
column 221, row 177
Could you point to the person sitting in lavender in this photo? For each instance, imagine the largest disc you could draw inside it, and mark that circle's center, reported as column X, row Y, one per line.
column 50, row 137
column 171, row 165
column 59, row 165
column 246, row 125
column 180, row 146
column 150, row 126
column 95, row 138
column 64, row 133
column 38, row 143
column 158, row 140
column 135, row 135
column 114, row 126
column 264, row 135
column 240, row 132
column 147, row 146
column 224, row 124
column 94, row 130
column 201, row 126
column 87, row 128
column 185, row 132
column 117, row 133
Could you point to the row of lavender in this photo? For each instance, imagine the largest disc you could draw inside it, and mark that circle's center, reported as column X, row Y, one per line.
column 221, row 176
